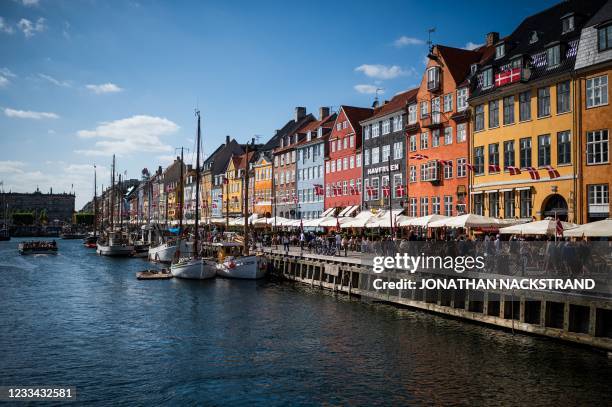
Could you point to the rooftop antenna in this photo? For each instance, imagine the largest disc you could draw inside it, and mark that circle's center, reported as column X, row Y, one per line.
column 429, row 41
column 376, row 102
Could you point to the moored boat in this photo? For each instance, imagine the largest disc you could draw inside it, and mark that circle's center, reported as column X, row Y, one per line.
column 38, row 247
column 233, row 264
column 91, row 242
column 114, row 244
column 4, row 235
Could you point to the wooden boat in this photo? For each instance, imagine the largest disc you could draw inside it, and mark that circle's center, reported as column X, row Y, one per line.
column 163, row 274
column 38, row 247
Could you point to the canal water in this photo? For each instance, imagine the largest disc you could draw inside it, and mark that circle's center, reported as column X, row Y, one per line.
column 77, row 319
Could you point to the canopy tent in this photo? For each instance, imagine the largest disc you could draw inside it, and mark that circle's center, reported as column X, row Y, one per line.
column 276, row 220
column 540, row 227
column 358, row 221
column 383, row 219
column 423, row 221
column 601, row 228
column 468, row 220
column 260, row 221
column 332, row 221
column 328, row 212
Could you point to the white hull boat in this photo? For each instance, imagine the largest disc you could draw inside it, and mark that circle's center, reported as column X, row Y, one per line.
column 243, row 267
column 194, row 269
column 164, row 253
column 115, row 250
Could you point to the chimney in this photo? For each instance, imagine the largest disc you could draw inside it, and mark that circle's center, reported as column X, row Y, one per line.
column 323, row 112
column 227, row 140
column 300, row 112
column 253, row 141
column 492, row 38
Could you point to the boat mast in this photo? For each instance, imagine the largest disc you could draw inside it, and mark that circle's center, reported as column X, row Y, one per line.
column 112, row 196
column 95, row 202
column 246, row 201
column 120, row 201
column 181, row 200
column 197, row 197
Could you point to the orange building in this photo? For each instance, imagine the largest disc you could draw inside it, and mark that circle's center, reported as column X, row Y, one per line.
column 262, row 190
column 438, row 130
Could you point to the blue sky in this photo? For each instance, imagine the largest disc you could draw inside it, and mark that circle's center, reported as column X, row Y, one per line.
column 80, row 80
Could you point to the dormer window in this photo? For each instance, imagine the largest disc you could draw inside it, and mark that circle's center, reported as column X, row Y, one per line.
column 433, row 78
column 604, row 38
column 567, row 24
column 282, row 142
column 500, row 50
column 309, row 136
column 516, row 62
column 320, row 132
column 487, row 78
column 533, row 38
column 553, row 56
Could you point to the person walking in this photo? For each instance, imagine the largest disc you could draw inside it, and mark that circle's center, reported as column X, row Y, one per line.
column 286, row 243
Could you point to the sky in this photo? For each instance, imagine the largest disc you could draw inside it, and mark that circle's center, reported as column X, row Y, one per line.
column 83, row 79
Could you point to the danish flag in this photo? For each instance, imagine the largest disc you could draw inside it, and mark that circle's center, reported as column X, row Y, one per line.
column 513, row 170
column 354, row 190
column 386, row 190
column 399, row 190
column 446, row 163
column 337, row 190
column 552, row 172
column 419, row 157
column 494, row 168
column 559, row 228
column 469, row 166
column 533, row 172
column 507, row 76
column 370, row 190
column 318, row 189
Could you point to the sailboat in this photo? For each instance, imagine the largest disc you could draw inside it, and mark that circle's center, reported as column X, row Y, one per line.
column 193, row 266
column 114, row 242
column 4, row 232
column 233, row 263
column 92, row 240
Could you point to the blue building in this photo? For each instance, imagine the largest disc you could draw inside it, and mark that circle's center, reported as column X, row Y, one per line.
column 311, row 154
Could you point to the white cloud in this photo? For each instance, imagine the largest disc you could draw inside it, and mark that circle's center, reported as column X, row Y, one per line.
column 54, row 81
column 7, row 72
column 5, row 28
column 404, row 41
column 3, row 81
column 7, row 167
column 166, row 159
column 380, row 71
column 472, row 45
column 29, row 3
column 28, row 114
column 104, row 88
column 29, row 28
column 367, row 89
column 136, row 134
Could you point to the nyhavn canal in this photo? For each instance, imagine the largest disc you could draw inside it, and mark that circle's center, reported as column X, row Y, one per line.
column 76, row 319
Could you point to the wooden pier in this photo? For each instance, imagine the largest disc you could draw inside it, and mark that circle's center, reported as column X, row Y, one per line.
column 577, row 318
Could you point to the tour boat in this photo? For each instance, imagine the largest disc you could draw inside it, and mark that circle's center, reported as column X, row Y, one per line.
column 232, row 264
column 38, row 247
column 70, row 235
column 114, row 244
column 164, row 252
column 194, row 268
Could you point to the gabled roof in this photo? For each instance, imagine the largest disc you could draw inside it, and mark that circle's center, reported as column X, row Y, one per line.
column 219, row 160
column 288, row 129
column 458, row 60
column 398, row 102
column 326, row 123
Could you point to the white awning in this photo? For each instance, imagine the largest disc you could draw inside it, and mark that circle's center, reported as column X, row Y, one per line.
column 523, row 188
column 506, row 190
column 343, row 211
column 327, row 212
column 490, row 191
column 352, row 210
column 475, row 192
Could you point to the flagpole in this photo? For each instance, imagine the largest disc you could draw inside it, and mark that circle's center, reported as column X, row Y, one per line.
column 389, row 186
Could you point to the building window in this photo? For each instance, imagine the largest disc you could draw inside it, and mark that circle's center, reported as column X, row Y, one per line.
column 345, row 143
column 493, row 155
column 508, row 110
column 500, row 51
column 564, row 151
column 525, row 106
column 413, row 207
column 567, row 24
column 493, row 205
column 597, row 147
column 525, row 203
column 462, row 97
column 424, row 140
column 448, row 170
column 413, row 142
column 397, row 123
column 424, row 206
column 448, row 135
column 544, row 150
column 412, row 114
column 553, row 56
column 333, row 146
column 333, row 166
column 351, row 162
column 413, row 173
column 433, row 78
column 508, row 204
column 599, row 195
column 479, row 160
column 604, row 36
column 487, row 78
column 366, row 132
column 386, row 153
column 544, row 102
column 424, row 110
column 358, row 160
column 398, row 150
column 478, row 204
column 386, row 126
column 597, row 91
column 448, row 102
column 375, row 130
column 435, row 138
column 345, row 163
column 375, row 189
column 435, row 205
column 397, row 181
column 509, row 153
column 563, row 97
column 448, row 205
column 352, row 141
column 461, row 132
column 339, row 164
column 479, row 118
column 359, row 185
column 493, row 113
column 375, row 155
column 461, row 169
column 344, row 187
column 525, row 152
column 366, row 157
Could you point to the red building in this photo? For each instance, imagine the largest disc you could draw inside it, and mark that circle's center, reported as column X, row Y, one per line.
column 343, row 171
column 438, row 133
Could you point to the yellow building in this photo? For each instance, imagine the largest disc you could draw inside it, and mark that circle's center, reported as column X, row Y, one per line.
column 262, row 190
column 232, row 195
column 206, row 183
column 523, row 113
